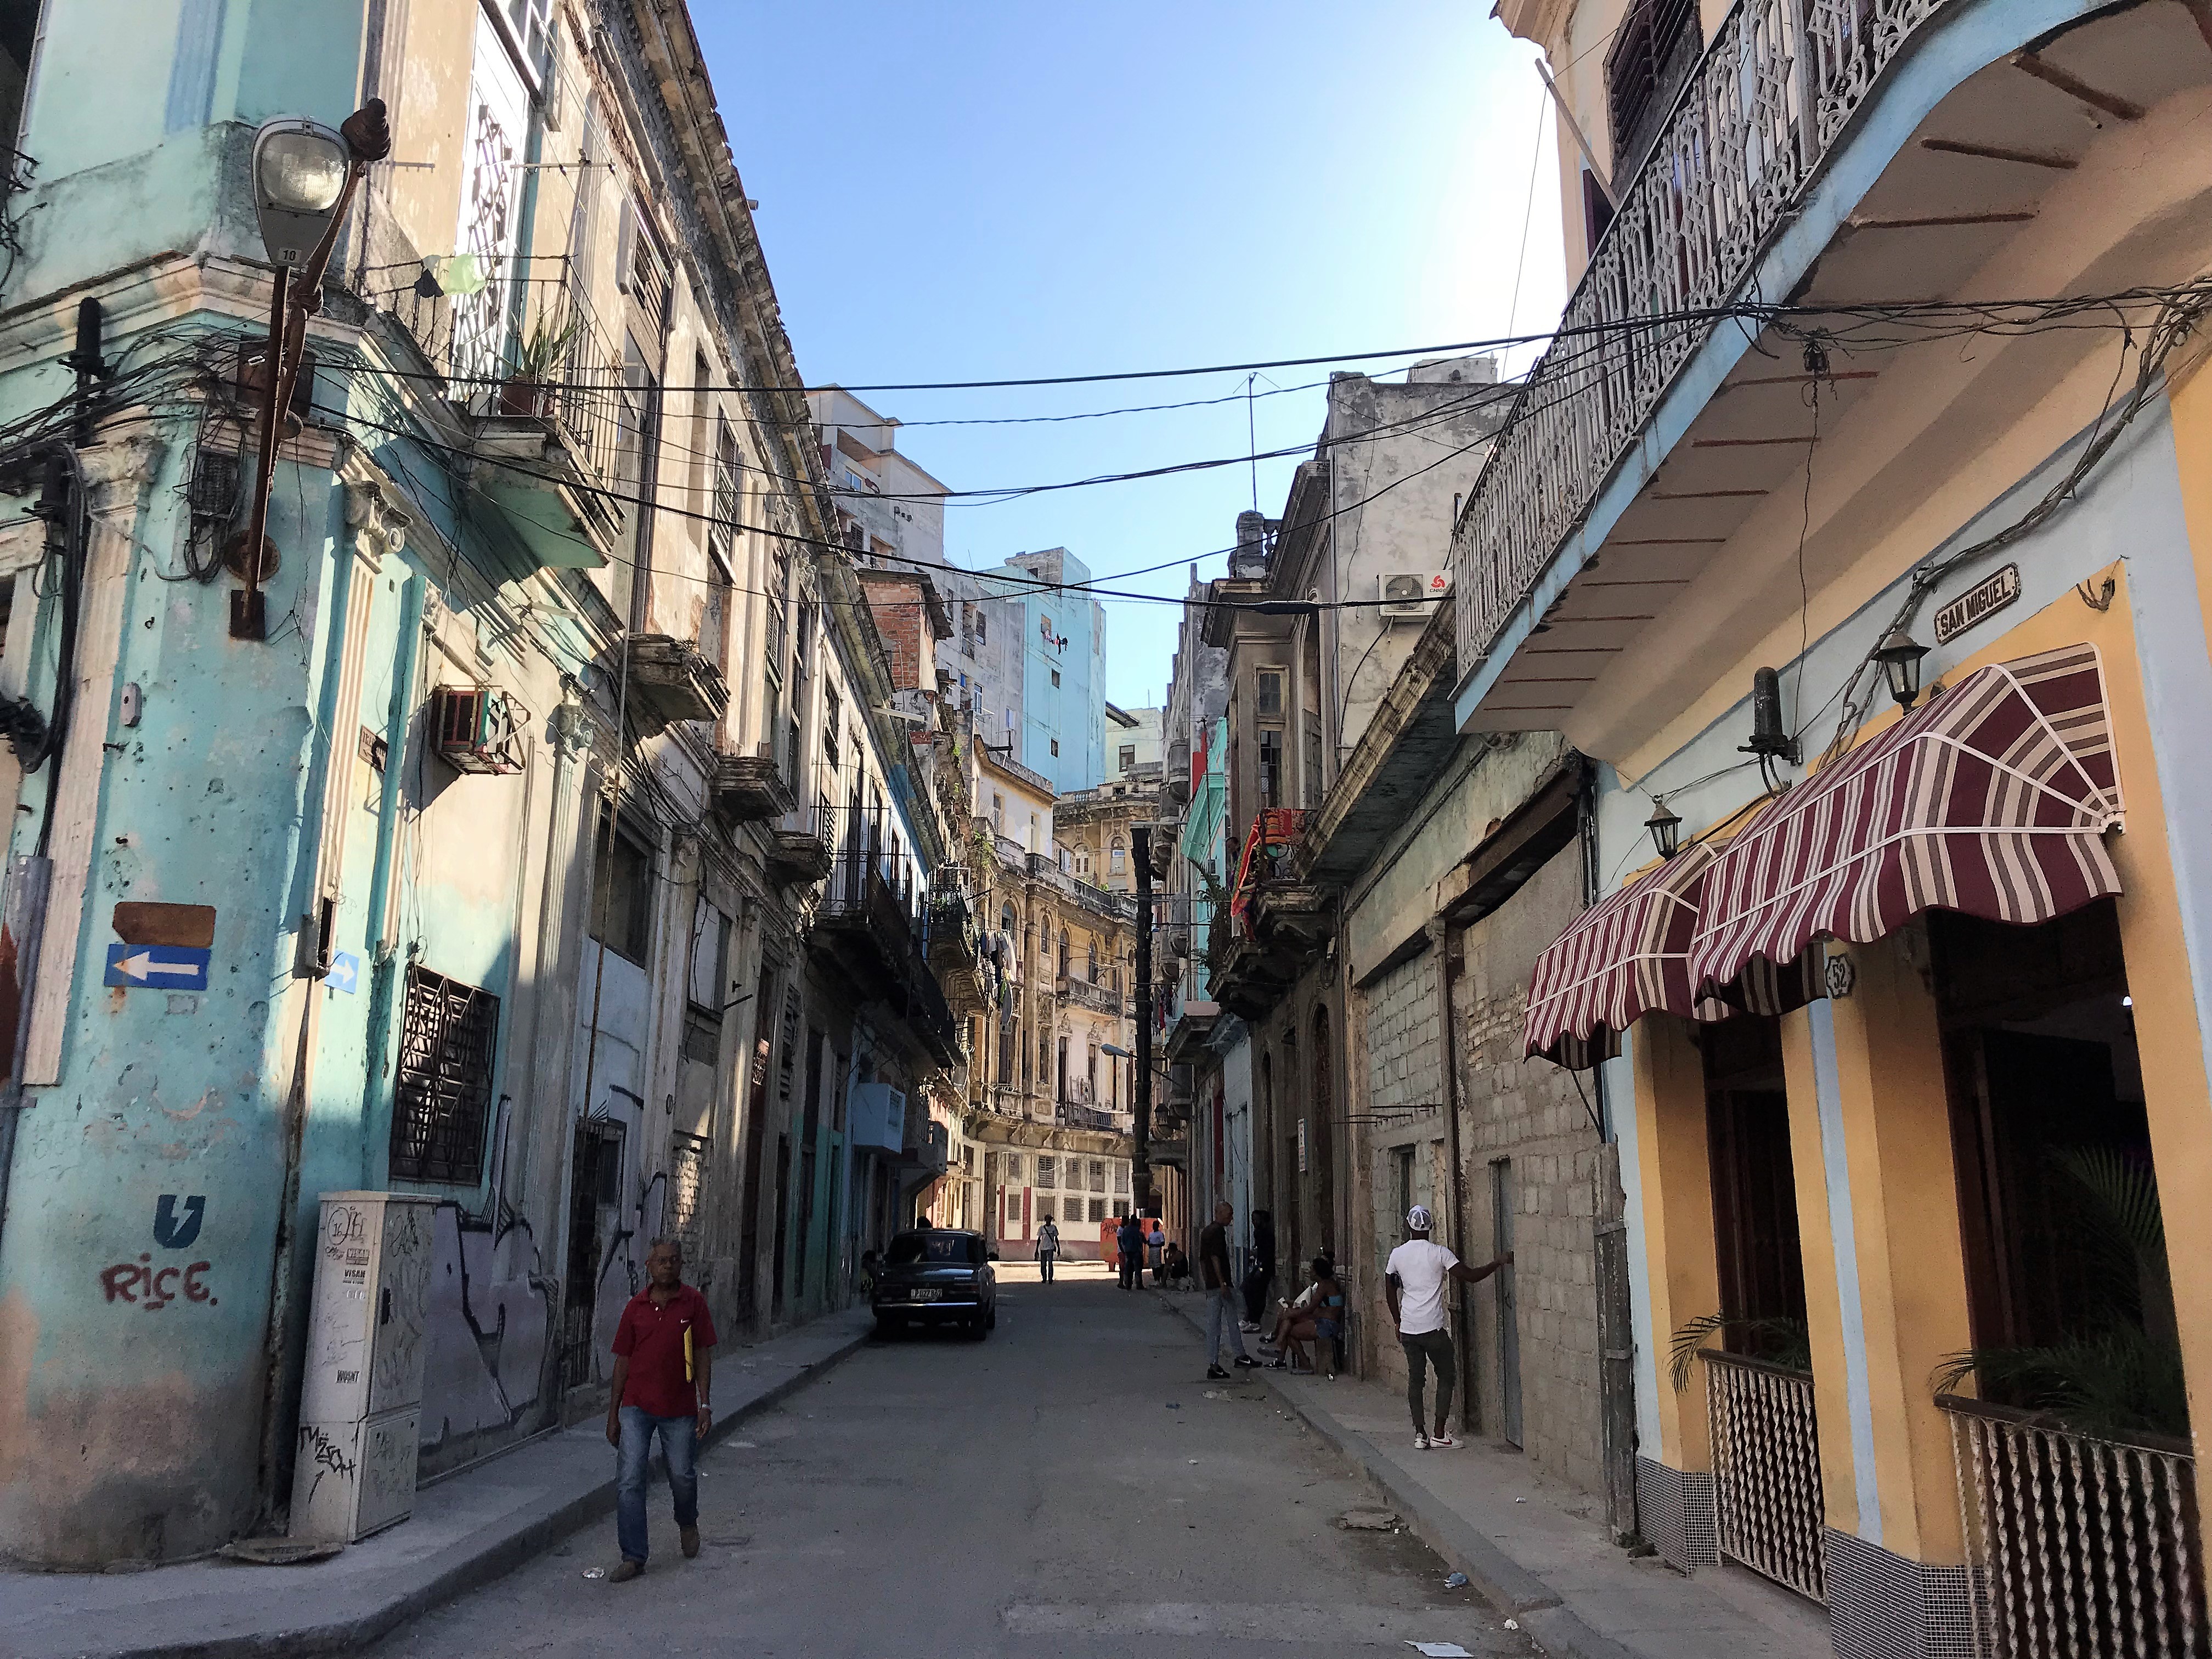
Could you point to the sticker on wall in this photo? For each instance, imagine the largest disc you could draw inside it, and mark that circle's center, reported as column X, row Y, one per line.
column 344, row 973
column 176, row 1232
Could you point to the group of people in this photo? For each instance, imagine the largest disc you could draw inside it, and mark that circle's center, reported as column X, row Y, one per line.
column 1307, row 1327
column 1137, row 1244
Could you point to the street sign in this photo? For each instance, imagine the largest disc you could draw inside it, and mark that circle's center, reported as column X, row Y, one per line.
column 344, row 973
column 157, row 967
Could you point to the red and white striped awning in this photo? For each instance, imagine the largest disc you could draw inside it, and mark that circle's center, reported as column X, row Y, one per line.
column 1992, row 798
column 1624, row 957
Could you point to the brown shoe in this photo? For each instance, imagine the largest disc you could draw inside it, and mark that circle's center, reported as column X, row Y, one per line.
column 690, row 1536
column 628, row 1570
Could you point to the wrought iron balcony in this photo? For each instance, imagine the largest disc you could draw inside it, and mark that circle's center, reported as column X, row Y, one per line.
column 1087, row 993
column 529, row 369
column 1757, row 118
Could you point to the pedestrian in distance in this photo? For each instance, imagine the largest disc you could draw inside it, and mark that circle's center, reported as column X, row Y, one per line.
column 1048, row 1247
column 1155, row 1242
column 1129, row 1251
column 664, row 1364
column 1219, row 1280
column 1413, row 1279
column 1261, row 1270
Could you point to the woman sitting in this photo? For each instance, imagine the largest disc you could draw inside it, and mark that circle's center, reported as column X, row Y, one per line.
column 1176, row 1266
column 1317, row 1317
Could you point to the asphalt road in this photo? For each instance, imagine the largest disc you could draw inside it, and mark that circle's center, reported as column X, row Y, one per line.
column 1065, row 1486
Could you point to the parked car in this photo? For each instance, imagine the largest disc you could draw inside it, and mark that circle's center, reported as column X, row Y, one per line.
column 936, row 1276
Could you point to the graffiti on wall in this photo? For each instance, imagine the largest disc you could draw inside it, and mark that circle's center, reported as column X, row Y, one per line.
column 626, row 1237
column 145, row 1285
column 490, row 1319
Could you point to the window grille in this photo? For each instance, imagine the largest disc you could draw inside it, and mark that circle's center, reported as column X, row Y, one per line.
column 687, row 1182
column 1048, row 1172
column 442, row 1096
column 1098, row 1209
column 1097, row 1175
column 1122, row 1180
column 727, row 498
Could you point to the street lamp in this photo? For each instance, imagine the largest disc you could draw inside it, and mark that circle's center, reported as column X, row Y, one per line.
column 1666, row 829
column 1899, row 655
column 304, row 178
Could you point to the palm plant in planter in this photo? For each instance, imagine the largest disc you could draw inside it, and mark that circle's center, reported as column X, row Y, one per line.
column 2118, row 1373
column 1779, row 1340
column 535, row 363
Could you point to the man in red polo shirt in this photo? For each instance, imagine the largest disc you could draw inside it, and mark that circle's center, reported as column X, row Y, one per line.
column 664, row 1358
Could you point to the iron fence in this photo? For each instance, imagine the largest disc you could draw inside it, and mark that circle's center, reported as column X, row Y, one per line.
column 2079, row 1545
column 1766, row 1470
column 1754, row 120
column 520, row 343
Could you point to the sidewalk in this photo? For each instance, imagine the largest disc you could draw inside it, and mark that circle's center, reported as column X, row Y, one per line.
column 1536, row 1548
column 466, row 1530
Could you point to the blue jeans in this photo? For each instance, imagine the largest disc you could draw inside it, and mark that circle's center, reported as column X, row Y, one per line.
column 1221, row 1330
column 679, row 1443
column 1044, row 1266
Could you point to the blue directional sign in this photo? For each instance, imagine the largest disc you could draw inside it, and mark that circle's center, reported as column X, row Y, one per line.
column 344, row 973
column 157, row 967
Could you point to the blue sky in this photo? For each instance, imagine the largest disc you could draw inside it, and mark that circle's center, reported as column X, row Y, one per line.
column 973, row 190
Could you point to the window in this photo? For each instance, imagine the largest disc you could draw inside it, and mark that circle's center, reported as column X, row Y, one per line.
column 829, row 729
column 1270, row 697
column 1122, row 1180
column 1063, row 952
column 1055, row 745
column 1013, row 1210
column 1047, row 1175
column 1313, row 760
column 1055, row 678
column 982, row 627
column 622, row 908
column 442, row 1098
column 1097, row 1175
column 727, row 507
column 1128, row 756
column 1652, row 52
column 1270, row 768
column 1013, row 1166
column 1119, row 858
column 998, row 813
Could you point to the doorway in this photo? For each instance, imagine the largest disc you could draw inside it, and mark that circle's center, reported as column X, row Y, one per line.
column 1502, row 1198
column 594, row 1194
column 755, row 1134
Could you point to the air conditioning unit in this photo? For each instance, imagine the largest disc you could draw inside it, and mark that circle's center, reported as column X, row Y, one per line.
column 474, row 728
column 1412, row 593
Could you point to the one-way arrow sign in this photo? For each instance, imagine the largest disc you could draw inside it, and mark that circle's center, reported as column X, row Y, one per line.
column 162, row 966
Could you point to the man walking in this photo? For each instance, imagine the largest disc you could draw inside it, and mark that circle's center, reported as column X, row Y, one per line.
column 664, row 1359
column 1048, row 1247
column 1220, row 1295
column 1413, row 1279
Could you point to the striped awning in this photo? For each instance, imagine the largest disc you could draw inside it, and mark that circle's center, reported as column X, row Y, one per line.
column 1624, row 957
column 1991, row 800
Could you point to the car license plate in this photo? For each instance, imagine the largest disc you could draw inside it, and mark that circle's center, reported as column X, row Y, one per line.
column 927, row 1296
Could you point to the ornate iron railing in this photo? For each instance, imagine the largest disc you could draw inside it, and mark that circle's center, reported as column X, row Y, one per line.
column 1766, row 1470
column 1773, row 89
column 2079, row 1545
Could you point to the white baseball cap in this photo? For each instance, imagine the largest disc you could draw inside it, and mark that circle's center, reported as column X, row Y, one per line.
column 1417, row 1218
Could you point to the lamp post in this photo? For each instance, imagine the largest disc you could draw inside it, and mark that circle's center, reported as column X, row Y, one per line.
column 1666, row 827
column 304, row 178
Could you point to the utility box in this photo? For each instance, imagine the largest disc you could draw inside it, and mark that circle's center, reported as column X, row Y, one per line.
column 361, row 1399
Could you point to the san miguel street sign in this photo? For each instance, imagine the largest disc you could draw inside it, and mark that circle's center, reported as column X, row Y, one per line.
column 1978, row 603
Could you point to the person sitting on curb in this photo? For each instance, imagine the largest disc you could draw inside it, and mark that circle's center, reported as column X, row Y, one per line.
column 1176, row 1266
column 1413, row 1279
column 664, row 1361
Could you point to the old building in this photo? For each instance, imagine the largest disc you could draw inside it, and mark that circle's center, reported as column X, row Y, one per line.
column 1887, row 648
column 482, row 856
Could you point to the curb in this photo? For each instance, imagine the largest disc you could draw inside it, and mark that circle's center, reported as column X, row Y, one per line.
column 459, row 1572
column 1510, row 1588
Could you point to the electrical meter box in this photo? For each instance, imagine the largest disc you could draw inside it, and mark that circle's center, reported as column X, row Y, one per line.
column 361, row 1396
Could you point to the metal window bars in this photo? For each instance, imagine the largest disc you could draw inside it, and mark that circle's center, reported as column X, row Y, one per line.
column 1766, row 1470
column 2078, row 1545
column 441, row 1096
column 1752, row 124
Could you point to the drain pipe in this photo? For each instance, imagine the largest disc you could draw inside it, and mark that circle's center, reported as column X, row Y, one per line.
column 1439, row 931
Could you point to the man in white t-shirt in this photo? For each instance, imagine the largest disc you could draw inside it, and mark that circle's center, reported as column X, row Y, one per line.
column 1414, row 1278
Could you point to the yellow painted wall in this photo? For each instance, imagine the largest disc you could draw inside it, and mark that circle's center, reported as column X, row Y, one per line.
column 1823, row 1303
column 1676, row 1171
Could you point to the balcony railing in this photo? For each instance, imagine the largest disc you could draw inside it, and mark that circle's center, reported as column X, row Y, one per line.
column 1766, row 1469
column 1089, row 993
column 523, row 345
column 1756, row 117
column 2079, row 1545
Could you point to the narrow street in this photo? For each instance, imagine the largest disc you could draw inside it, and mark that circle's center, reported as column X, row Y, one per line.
column 1031, row 1494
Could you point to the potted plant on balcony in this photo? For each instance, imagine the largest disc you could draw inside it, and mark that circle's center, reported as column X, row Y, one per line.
column 527, row 390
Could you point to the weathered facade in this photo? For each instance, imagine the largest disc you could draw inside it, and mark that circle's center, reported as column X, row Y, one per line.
column 504, row 851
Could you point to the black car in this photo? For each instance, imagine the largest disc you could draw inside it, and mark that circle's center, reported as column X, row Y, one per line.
column 939, row 1277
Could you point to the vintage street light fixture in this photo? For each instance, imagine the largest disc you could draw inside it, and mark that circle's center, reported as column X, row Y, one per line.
column 304, row 178
column 1666, row 829
column 1899, row 655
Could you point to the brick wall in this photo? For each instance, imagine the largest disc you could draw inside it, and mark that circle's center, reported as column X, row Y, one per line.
column 895, row 603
